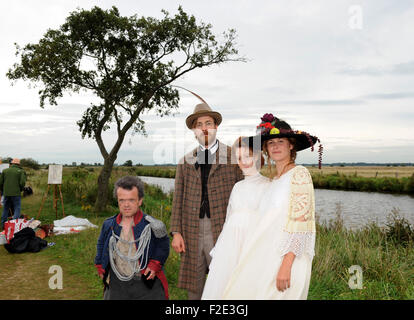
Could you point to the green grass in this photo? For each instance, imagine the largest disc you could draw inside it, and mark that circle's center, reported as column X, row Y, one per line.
column 386, row 255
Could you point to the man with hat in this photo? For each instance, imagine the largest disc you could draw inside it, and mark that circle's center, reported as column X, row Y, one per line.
column 12, row 182
column 203, row 183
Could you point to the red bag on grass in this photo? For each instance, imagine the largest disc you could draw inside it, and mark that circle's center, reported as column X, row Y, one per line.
column 13, row 226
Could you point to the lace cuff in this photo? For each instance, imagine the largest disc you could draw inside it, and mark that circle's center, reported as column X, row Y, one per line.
column 299, row 243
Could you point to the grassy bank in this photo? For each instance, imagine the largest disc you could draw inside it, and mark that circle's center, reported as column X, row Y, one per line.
column 386, row 255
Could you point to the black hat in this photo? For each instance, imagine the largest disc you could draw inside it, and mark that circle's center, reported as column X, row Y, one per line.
column 272, row 127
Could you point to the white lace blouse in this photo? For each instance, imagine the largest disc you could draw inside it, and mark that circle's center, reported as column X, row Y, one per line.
column 293, row 198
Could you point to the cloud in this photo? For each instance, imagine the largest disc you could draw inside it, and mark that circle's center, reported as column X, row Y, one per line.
column 339, row 102
column 403, row 69
column 361, row 100
column 390, row 96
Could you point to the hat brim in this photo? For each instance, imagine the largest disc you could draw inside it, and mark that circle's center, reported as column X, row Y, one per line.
column 215, row 115
column 302, row 141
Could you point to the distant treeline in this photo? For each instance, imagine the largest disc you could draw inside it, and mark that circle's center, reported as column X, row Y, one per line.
column 31, row 163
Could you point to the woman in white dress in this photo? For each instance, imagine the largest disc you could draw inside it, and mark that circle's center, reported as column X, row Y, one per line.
column 276, row 259
column 241, row 211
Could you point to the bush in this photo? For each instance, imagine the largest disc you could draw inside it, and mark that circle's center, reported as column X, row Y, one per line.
column 30, row 163
column 409, row 185
column 399, row 230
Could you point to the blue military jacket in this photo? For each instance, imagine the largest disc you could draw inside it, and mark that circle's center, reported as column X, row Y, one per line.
column 159, row 248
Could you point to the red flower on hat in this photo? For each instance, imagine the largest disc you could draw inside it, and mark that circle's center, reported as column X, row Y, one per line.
column 267, row 117
column 266, row 125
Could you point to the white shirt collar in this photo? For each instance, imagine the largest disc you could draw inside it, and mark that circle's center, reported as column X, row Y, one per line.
column 213, row 148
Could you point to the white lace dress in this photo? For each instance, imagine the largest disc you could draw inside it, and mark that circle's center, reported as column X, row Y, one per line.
column 278, row 232
column 242, row 211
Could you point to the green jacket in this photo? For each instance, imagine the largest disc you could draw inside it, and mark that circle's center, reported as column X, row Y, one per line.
column 12, row 181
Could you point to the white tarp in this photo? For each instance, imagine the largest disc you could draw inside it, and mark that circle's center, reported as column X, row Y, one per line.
column 71, row 224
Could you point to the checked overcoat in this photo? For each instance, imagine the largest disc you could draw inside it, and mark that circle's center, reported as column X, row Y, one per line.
column 224, row 173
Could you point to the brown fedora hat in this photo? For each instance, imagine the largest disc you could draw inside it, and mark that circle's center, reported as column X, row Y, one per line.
column 201, row 110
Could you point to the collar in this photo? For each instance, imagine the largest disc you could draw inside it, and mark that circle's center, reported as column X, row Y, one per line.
column 137, row 218
column 213, row 148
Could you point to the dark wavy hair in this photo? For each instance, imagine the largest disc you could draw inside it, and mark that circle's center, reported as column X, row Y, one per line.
column 128, row 183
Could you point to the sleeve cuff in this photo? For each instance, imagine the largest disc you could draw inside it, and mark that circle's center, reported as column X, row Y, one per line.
column 101, row 271
column 154, row 265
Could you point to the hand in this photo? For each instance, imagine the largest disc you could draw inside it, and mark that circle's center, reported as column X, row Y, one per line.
column 283, row 277
column 151, row 272
column 178, row 243
column 101, row 275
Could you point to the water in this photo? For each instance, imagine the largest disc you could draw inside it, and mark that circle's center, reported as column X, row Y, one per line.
column 357, row 208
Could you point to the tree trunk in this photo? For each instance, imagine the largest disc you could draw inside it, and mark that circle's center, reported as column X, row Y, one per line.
column 103, row 184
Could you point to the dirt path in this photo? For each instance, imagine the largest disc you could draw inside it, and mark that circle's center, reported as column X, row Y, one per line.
column 26, row 276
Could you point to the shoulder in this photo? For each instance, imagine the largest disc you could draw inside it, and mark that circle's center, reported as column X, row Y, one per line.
column 109, row 221
column 223, row 146
column 301, row 175
column 238, row 184
column 188, row 158
column 157, row 226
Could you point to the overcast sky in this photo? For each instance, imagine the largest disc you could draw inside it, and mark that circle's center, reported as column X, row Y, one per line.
column 340, row 70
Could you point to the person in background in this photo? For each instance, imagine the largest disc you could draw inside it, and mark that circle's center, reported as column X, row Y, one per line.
column 12, row 182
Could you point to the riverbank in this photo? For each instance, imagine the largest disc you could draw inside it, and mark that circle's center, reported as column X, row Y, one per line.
column 385, row 255
column 346, row 180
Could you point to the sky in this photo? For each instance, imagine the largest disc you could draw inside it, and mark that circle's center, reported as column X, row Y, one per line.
column 340, row 70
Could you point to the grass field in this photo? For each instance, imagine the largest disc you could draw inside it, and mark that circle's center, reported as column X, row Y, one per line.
column 385, row 255
column 366, row 171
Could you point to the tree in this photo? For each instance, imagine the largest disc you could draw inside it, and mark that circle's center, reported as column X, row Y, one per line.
column 30, row 163
column 128, row 163
column 129, row 63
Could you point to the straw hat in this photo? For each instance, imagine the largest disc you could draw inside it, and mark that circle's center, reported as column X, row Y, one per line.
column 200, row 110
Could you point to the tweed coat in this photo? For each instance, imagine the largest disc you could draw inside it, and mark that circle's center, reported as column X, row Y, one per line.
column 185, row 219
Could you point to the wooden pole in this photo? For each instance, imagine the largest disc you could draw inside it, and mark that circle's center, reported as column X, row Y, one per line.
column 43, row 201
column 61, row 199
column 55, row 200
